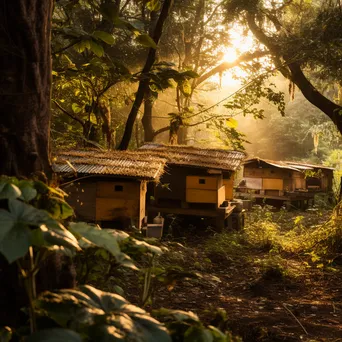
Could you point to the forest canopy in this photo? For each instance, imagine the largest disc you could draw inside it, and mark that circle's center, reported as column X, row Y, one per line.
column 234, row 48
column 94, row 76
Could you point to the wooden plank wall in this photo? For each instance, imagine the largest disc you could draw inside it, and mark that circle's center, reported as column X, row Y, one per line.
column 221, row 195
column 175, row 179
column 194, row 182
column 274, row 172
column 82, row 197
column 203, row 189
column 111, row 204
column 274, row 178
column 201, row 196
column 292, row 180
column 142, row 204
column 229, row 185
column 272, row 184
column 327, row 180
column 298, row 180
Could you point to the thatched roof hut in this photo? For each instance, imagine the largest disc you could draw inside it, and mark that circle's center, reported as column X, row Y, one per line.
column 183, row 155
column 115, row 163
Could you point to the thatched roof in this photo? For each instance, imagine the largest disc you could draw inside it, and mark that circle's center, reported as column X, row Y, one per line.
column 276, row 163
column 183, row 155
column 116, row 163
column 295, row 166
column 308, row 166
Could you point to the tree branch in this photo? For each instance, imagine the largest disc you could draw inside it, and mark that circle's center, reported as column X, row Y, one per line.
column 213, row 13
column 124, row 6
column 331, row 109
column 66, row 47
column 295, row 74
column 161, row 130
column 144, row 83
column 74, row 117
column 247, row 57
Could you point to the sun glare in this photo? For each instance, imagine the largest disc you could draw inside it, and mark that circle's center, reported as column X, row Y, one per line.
column 229, row 55
column 240, row 44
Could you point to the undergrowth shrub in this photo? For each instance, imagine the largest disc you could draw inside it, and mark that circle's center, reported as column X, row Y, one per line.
column 262, row 235
column 224, row 246
column 318, row 243
column 35, row 221
column 274, row 267
column 262, row 230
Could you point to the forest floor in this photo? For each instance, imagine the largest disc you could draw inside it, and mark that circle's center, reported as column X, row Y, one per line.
column 270, row 290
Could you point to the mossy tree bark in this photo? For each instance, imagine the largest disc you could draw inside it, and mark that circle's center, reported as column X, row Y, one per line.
column 25, row 83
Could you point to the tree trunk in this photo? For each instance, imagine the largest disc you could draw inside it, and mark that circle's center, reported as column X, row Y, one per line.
column 295, row 73
column 25, row 83
column 144, row 83
column 331, row 109
column 147, row 118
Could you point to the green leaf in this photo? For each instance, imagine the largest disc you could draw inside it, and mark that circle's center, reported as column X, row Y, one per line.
column 28, row 192
column 80, row 47
column 104, row 36
column 149, row 329
column 218, row 335
column 185, row 88
column 232, row 123
column 119, row 290
column 5, row 334
column 106, row 301
column 9, row 191
column 102, row 315
column 55, row 335
column 153, row 5
column 146, row 40
column 123, row 24
column 190, row 74
column 50, row 235
column 143, row 246
column 198, row 334
column 97, row 236
column 26, row 213
column 7, row 221
column 178, row 315
column 96, row 48
column 76, row 108
column 124, row 260
column 15, row 238
column 118, row 234
column 59, row 208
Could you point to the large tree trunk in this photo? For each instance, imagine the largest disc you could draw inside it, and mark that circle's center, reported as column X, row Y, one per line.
column 331, row 109
column 293, row 71
column 25, row 81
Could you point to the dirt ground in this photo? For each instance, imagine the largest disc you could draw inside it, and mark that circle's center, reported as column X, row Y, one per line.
column 307, row 308
column 261, row 305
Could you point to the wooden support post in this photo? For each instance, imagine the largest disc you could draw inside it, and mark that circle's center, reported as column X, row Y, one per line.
column 220, row 223
column 230, row 222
